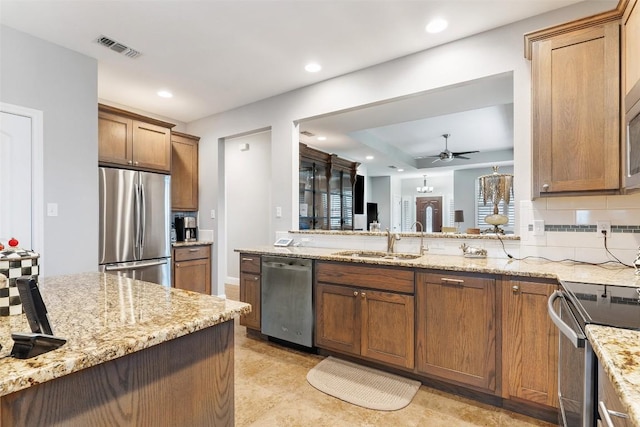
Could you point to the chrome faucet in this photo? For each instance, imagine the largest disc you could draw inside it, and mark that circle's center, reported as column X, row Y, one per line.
column 391, row 240
column 418, row 223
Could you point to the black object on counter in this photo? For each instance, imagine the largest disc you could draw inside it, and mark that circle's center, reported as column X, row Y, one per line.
column 180, row 230
column 31, row 344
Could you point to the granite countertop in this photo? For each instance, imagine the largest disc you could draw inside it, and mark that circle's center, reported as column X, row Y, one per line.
column 192, row 243
column 103, row 317
column 611, row 274
column 618, row 351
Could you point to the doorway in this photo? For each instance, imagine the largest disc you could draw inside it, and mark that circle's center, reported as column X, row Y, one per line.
column 429, row 213
column 21, row 170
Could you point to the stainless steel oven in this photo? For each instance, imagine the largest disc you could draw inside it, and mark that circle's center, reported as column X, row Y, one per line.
column 571, row 308
column 576, row 366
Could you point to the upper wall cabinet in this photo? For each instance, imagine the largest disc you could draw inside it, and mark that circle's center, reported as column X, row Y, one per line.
column 184, row 172
column 133, row 141
column 326, row 190
column 631, row 56
column 575, row 72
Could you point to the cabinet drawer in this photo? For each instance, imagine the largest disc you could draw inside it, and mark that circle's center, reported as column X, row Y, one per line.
column 250, row 263
column 192, row 252
column 473, row 280
column 381, row 278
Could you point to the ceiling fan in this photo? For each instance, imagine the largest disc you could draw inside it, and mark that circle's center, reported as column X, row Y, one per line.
column 447, row 156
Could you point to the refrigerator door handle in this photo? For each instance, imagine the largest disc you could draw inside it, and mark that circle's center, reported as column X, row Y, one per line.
column 136, row 220
column 135, row 266
column 143, row 215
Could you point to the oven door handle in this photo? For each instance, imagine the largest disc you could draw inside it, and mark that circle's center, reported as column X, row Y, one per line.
column 576, row 340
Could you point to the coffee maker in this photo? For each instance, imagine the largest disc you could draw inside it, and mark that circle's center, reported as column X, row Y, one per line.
column 190, row 229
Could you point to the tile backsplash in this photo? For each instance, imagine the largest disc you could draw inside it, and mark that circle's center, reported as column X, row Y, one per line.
column 570, row 227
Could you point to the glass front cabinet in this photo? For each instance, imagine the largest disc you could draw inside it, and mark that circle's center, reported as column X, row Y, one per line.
column 326, row 190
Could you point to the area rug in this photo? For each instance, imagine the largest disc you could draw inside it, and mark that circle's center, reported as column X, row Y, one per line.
column 361, row 385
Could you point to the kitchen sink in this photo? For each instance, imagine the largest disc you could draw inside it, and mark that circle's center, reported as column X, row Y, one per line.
column 378, row 255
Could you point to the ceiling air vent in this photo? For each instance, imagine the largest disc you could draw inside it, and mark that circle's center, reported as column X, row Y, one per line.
column 117, row 47
column 306, row 133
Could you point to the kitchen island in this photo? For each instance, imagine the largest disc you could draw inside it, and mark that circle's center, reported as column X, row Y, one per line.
column 137, row 353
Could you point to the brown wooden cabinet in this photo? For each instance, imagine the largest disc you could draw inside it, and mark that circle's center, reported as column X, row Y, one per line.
column 326, row 190
column 366, row 312
column 251, row 289
column 456, row 328
column 575, row 71
column 529, row 342
column 133, row 141
column 192, row 268
column 609, row 401
column 631, row 58
column 184, row 172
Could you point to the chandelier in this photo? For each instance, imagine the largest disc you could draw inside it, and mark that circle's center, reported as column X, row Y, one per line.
column 424, row 188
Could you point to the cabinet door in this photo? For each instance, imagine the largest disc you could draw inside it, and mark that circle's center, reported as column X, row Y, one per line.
column 184, row 174
column 151, row 146
column 338, row 320
column 250, row 292
column 576, row 120
column 193, row 275
column 631, row 37
column 456, row 337
column 529, row 343
column 608, row 400
column 388, row 327
column 115, row 139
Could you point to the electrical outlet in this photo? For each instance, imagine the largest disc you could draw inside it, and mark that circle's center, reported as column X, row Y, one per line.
column 603, row 226
column 213, row 214
column 538, row 227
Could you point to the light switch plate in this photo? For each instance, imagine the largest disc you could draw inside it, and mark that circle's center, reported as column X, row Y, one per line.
column 52, row 209
column 278, row 212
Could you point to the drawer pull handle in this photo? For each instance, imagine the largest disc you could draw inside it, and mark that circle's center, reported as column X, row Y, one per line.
column 606, row 414
column 447, row 280
column 364, row 295
column 515, row 289
column 355, row 293
column 256, row 278
column 247, row 259
column 194, row 250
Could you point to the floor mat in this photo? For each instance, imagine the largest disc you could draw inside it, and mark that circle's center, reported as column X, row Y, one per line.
column 361, row 385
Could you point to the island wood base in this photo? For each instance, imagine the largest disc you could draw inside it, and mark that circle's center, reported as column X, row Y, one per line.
column 187, row 381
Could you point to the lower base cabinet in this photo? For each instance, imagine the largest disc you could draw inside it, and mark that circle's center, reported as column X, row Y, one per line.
column 529, row 342
column 251, row 289
column 192, row 268
column 456, row 328
column 365, row 322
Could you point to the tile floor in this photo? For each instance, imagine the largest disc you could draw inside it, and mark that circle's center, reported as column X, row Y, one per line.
column 271, row 390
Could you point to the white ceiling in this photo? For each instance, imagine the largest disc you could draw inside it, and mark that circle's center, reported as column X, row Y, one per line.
column 216, row 55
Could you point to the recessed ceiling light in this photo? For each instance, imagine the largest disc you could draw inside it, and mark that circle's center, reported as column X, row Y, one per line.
column 313, row 67
column 165, row 94
column 322, row 138
column 436, row 25
column 400, row 170
column 369, row 157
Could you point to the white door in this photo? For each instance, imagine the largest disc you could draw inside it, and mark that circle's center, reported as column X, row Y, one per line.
column 21, row 171
column 15, row 179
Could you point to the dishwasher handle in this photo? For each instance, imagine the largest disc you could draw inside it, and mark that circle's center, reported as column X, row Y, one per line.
column 294, row 264
column 578, row 340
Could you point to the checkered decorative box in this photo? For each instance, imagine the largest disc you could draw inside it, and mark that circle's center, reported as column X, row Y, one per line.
column 14, row 263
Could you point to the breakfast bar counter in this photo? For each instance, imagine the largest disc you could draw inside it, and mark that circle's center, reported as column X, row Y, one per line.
column 137, row 353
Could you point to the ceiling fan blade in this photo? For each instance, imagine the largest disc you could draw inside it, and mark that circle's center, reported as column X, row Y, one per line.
column 461, row 157
column 464, row 152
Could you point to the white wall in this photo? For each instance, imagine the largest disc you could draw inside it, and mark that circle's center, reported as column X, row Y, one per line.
column 381, row 194
column 247, row 178
column 486, row 54
column 63, row 84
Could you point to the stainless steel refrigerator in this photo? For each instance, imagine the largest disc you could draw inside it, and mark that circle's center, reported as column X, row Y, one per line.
column 135, row 215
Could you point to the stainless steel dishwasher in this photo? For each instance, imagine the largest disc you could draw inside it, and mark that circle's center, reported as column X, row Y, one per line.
column 287, row 309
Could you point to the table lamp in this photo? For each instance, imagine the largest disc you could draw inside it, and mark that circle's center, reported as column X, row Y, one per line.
column 495, row 188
